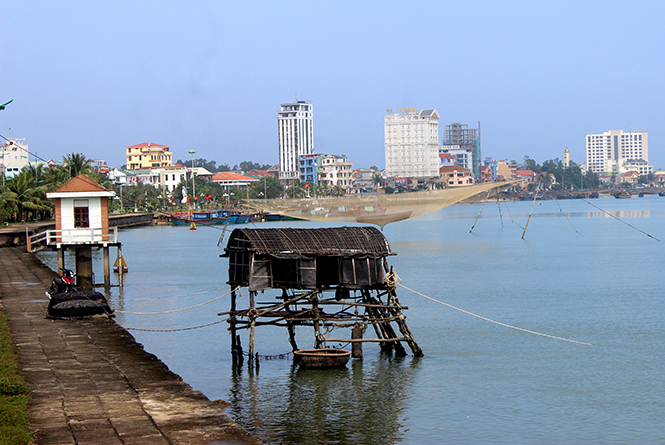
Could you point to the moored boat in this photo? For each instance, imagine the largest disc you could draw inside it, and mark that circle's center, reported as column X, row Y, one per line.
column 621, row 195
column 209, row 217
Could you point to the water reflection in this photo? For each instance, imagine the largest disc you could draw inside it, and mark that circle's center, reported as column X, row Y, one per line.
column 363, row 404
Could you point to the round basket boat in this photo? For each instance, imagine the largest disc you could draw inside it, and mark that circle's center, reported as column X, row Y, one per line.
column 321, row 358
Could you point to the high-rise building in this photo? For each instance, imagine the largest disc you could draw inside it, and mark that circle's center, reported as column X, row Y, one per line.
column 412, row 143
column 295, row 133
column 616, row 151
column 464, row 142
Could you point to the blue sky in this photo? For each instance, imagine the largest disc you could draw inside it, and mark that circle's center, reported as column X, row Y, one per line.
column 95, row 77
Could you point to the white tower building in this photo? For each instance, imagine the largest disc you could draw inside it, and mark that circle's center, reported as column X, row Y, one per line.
column 295, row 132
column 412, row 143
column 616, row 151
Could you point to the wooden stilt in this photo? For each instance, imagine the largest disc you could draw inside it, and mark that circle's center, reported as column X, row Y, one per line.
column 289, row 324
column 61, row 260
column 357, row 348
column 232, row 328
column 107, row 267
column 252, row 326
column 403, row 328
column 317, row 326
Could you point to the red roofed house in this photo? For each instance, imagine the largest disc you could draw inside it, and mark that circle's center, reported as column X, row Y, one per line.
column 447, row 159
column 456, row 176
column 525, row 177
column 81, row 222
column 228, row 180
column 485, row 173
column 148, row 155
column 630, row 177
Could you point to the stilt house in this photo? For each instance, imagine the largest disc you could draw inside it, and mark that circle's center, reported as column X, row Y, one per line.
column 329, row 278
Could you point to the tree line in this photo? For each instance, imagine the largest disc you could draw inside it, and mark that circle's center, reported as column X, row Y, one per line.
column 212, row 166
column 567, row 178
column 23, row 197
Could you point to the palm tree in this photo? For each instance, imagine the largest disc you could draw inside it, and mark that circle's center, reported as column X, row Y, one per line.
column 377, row 179
column 7, row 203
column 55, row 176
column 30, row 196
column 77, row 163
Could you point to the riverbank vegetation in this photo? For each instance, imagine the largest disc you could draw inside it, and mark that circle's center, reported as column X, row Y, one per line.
column 13, row 392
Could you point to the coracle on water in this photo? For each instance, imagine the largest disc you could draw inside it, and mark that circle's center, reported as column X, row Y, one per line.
column 321, row 358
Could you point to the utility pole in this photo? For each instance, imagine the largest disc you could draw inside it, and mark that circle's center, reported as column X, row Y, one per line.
column 192, row 152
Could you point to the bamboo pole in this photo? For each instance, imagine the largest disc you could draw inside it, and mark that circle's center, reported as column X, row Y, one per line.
column 251, row 329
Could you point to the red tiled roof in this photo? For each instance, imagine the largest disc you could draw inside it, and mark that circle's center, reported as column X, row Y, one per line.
column 453, row 168
column 80, row 183
column 228, row 176
column 148, row 144
column 520, row 173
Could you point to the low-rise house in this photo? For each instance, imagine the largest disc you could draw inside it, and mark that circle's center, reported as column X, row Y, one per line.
column 485, row 173
column 456, row 175
column 505, row 170
column 630, row 177
column 100, row 166
column 659, row 178
column 228, row 180
column 525, row 177
column 170, row 177
column 336, row 171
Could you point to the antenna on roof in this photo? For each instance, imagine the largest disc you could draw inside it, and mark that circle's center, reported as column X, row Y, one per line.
column 296, row 97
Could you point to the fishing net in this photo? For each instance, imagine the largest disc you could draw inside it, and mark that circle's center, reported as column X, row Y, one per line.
column 379, row 209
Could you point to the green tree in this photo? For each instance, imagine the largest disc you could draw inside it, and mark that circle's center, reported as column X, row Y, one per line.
column 296, row 190
column 378, row 180
column 55, row 176
column 8, row 200
column 530, row 164
column 269, row 185
column 30, row 197
column 77, row 163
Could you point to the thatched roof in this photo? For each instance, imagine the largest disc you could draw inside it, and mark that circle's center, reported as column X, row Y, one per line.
column 295, row 243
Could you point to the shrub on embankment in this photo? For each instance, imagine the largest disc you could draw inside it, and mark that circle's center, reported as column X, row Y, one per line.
column 13, row 392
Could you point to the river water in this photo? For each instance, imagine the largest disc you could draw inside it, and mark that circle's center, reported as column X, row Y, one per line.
column 579, row 273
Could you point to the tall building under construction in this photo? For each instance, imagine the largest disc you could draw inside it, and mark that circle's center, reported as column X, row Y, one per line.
column 463, row 142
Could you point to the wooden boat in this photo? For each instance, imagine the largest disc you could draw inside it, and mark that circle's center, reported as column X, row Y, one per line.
column 661, row 193
column 621, row 195
column 206, row 218
column 321, row 358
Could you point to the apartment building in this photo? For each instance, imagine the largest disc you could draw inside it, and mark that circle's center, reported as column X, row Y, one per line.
column 411, row 143
column 147, row 155
column 295, row 134
column 335, row 171
column 616, row 151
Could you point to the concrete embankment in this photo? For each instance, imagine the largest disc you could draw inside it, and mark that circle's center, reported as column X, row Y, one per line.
column 92, row 382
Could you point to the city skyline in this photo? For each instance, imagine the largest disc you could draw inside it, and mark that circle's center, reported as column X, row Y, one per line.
column 95, row 78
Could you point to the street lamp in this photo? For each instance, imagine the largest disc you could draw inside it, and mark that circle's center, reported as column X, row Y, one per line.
column 192, row 152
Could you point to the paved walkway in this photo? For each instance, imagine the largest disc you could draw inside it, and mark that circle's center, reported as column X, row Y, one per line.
column 92, row 382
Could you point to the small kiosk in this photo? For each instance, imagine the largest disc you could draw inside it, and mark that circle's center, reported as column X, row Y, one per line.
column 81, row 223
